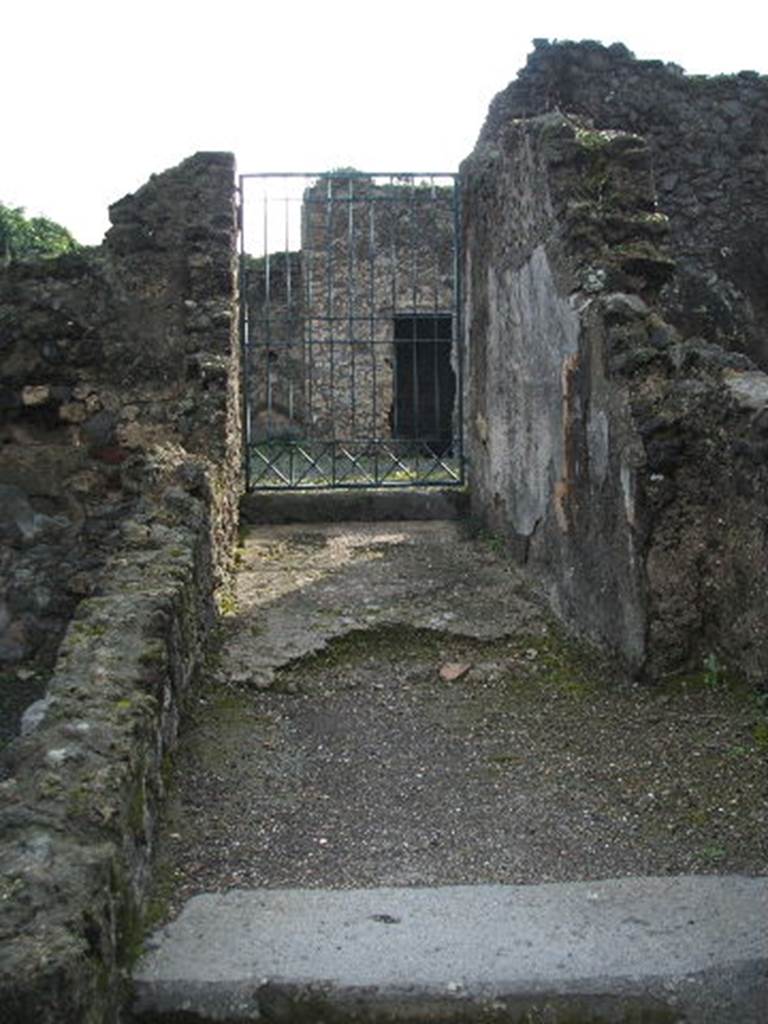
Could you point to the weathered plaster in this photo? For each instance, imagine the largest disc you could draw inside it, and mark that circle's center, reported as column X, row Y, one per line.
column 618, row 457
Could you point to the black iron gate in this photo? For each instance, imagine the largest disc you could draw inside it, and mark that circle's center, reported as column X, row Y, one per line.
column 350, row 304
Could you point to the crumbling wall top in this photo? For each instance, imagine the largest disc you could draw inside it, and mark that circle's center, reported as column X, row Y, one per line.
column 708, row 138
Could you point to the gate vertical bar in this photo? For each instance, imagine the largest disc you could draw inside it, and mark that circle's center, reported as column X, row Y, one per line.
column 351, row 305
column 243, row 328
column 372, row 332
column 458, row 330
column 330, row 322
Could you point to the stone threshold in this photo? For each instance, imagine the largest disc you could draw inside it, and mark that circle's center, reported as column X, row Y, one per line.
column 354, row 505
column 685, row 948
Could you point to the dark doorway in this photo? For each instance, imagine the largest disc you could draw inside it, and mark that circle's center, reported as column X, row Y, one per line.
column 425, row 384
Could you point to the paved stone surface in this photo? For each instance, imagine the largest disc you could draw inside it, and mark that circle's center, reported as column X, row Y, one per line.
column 298, row 589
column 689, row 949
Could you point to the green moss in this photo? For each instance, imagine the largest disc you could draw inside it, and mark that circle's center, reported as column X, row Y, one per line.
column 10, row 887
column 136, row 811
column 166, row 768
column 231, row 701
column 713, row 675
column 134, row 921
column 552, row 659
column 760, row 733
column 79, row 801
column 159, row 899
column 364, row 644
column 712, row 853
column 565, row 663
column 699, row 817
column 49, row 785
column 592, row 139
column 83, row 629
column 155, row 653
column 227, row 603
column 128, row 918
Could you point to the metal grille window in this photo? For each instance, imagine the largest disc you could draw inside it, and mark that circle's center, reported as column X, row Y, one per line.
column 351, row 330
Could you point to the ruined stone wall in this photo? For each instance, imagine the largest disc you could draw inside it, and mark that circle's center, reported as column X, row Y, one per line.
column 120, row 469
column 624, row 461
column 708, row 140
column 60, row 497
column 104, row 354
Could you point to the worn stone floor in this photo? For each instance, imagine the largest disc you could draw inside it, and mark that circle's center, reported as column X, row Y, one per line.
column 391, row 706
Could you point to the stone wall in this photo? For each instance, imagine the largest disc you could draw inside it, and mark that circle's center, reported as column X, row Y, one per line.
column 624, row 461
column 277, row 371
column 708, row 139
column 121, row 471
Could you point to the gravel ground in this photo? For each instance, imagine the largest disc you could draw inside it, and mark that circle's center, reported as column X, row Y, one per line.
column 404, row 748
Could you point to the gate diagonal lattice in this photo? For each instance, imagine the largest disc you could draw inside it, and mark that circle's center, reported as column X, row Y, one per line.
column 350, row 330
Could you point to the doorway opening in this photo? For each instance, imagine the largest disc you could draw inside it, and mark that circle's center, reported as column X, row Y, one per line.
column 425, row 383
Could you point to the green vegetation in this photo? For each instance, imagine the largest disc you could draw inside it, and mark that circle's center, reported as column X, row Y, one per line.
column 552, row 658
column 760, row 733
column 227, row 603
column 343, row 171
column 31, row 238
column 713, row 671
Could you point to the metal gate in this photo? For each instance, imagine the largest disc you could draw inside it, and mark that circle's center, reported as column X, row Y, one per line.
column 350, row 329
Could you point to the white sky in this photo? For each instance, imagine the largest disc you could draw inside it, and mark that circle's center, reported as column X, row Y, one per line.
column 97, row 95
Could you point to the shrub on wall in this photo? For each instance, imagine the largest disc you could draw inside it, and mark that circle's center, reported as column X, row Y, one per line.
column 24, row 238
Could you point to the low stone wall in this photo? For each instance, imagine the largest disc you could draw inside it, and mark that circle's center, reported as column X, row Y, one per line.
column 624, row 462
column 121, row 474
column 80, row 801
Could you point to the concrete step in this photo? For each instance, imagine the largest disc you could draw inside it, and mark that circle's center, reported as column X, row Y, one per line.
column 691, row 949
column 354, row 505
